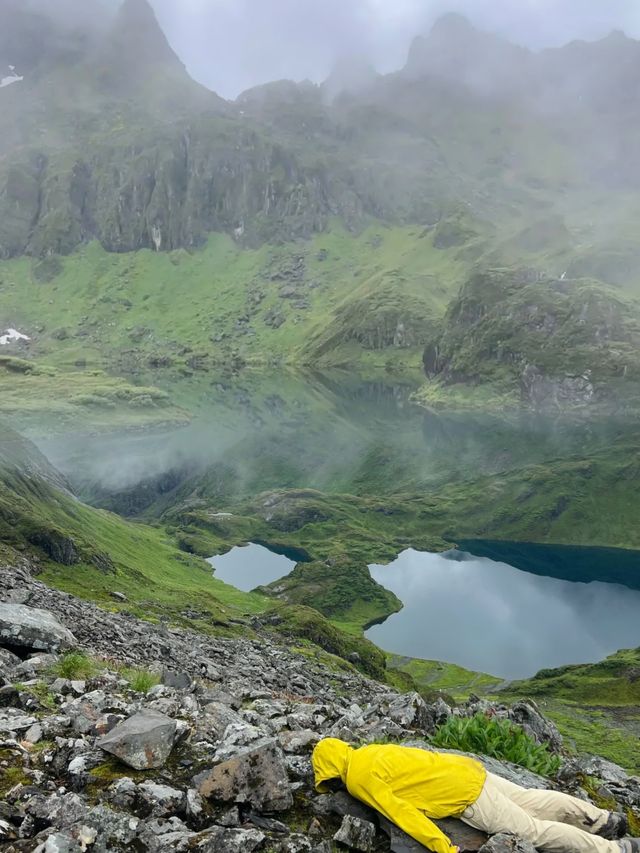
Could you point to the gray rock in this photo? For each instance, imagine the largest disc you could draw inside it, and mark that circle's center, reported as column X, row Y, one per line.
column 60, row 812
column 256, row 775
column 357, row 834
column 115, row 830
column 144, row 741
column 177, row 680
column 34, row 733
column 60, row 842
column 411, row 711
column 170, row 835
column 298, row 741
column 527, row 715
column 230, row 840
column 161, row 800
column 32, row 628
column 504, row 843
column 463, row 836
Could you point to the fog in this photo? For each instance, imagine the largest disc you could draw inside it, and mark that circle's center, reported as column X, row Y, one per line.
column 231, row 45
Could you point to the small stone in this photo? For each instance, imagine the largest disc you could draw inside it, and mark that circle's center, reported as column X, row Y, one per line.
column 34, row 734
column 176, row 680
column 230, row 841
column 505, row 843
column 195, row 803
column 356, row 834
column 118, row 596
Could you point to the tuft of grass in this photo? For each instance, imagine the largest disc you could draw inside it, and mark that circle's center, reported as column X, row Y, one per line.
column 497, row 739
column 74, row 665
column 141, row 680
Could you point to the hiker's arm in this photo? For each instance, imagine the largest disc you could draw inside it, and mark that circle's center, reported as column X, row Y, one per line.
column 410, row 819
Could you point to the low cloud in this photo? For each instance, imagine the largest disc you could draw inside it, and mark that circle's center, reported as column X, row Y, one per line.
column 231, row 45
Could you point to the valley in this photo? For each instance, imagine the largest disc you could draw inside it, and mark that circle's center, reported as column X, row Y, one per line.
column 349, row 371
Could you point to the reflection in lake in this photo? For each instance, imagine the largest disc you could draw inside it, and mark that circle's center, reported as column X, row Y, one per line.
column 249, row 566
column 488, row 616
column 334, row 432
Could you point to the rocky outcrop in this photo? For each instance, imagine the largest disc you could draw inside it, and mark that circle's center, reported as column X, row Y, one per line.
column 556, row 343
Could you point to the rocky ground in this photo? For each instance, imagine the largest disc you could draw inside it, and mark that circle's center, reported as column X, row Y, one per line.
column 152, row 738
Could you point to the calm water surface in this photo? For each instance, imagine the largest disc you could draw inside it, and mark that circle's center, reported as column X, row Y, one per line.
column 249, row 566
column 491, row 617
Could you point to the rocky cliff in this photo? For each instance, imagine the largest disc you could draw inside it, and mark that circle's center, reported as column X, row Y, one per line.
column 557, row 342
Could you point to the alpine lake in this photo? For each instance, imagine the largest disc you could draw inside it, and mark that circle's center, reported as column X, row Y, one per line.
column 490, row 605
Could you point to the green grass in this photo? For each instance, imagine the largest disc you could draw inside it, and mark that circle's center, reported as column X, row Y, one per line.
column 45, row 400
column 101, row 306
column 140, row 680
column 497, row 739
column 448, row 677
column 75, row 665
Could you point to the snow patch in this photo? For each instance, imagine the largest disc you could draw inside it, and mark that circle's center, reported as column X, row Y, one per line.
column 7, row 81
column 12, row 335
column 10, row 78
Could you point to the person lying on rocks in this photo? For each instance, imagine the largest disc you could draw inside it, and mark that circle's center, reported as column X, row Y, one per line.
column 410, row 787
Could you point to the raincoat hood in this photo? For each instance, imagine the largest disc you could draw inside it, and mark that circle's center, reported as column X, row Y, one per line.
column 330, row 760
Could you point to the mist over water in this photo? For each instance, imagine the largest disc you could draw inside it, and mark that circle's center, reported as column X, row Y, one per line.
column 334, row 432
column 488, row 616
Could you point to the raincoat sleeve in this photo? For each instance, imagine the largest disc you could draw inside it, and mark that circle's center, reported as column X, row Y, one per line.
column 410, row 819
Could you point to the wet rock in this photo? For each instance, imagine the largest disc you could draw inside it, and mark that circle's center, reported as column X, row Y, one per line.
column 357, row 834
column 32, row 628
column 256, row 775
column 144, row 741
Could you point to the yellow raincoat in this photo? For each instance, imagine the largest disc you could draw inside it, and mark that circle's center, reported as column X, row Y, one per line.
column 408, row 786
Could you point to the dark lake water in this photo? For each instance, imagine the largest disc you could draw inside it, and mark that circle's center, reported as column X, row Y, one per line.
column 491, row 617
column 249, row 566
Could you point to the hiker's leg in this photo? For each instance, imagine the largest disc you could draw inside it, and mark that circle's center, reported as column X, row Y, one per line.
column 494, row 812
column 553, row 805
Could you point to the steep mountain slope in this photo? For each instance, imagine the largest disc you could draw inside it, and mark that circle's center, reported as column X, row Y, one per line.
column 323, row 225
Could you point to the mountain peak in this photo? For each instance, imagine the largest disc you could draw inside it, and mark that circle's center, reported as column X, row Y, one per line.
column 139, row 38
column 452, row 23
column 455, row 50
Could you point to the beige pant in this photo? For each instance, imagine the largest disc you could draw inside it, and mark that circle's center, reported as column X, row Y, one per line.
column 550, row 820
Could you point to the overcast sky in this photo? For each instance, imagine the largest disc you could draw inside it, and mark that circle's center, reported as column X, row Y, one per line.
column 230, row 45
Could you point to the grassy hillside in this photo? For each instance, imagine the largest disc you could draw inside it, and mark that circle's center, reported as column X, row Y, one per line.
column 225, row 304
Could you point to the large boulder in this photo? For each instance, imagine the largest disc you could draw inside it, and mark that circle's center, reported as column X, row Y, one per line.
column 461, row 834
column 143, row 742
column 31, row 628
column 256, row 775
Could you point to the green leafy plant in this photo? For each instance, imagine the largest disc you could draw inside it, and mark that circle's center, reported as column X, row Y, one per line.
column 498, row 739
